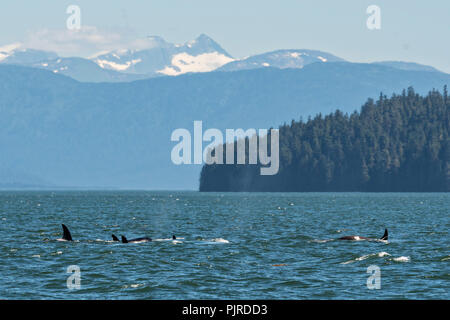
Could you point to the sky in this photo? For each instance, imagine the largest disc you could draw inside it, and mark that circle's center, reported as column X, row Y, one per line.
column 414, row 31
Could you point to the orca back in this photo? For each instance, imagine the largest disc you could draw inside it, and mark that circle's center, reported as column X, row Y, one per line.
column 125, row 240
column 115, row 238
column 140, row 239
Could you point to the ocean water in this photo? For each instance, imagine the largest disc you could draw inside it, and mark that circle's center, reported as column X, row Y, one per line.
column 230, row 245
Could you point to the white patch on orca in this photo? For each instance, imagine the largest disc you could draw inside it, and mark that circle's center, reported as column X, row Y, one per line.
column 140, row 241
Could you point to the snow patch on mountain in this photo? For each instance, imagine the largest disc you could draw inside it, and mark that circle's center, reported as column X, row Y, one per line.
column 7, row 50
column 116, row 66
column 184, row 62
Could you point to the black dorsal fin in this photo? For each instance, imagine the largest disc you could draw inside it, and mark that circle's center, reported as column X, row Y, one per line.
column 115, row 238
column 385, row 235
column 173, row 237
column 66, row 233
column 124, row 240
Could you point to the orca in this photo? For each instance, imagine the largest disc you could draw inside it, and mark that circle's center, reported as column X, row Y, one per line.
column 68, row 237
column 356, row 238
column 142, row 239
column 66, row 233
column 174, row 238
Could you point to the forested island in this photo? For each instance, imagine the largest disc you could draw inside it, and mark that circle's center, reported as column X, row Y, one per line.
column 396, row 144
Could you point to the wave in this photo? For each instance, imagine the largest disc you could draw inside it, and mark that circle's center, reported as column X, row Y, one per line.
column 64, row 240
column 379, row 255
column 105, row 241
column 220, row 240
column 321, row 241
column 168, row 239
column 216, row 240
column 402, row 259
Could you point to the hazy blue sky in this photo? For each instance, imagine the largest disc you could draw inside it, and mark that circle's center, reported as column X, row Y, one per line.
column 415, row 31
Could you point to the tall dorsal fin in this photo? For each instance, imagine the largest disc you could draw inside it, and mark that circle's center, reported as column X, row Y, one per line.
column 385, row 235
column 173, row 237
column 124, row 240
column 66, row 233
column 115, row 238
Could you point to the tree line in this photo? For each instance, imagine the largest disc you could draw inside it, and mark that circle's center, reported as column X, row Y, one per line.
column 393, row 144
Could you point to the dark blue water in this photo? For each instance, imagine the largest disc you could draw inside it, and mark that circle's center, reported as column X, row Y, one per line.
column 233, row 246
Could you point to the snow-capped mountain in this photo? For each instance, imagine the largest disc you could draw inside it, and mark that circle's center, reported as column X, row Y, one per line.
column 200, row 55
column 281, row 59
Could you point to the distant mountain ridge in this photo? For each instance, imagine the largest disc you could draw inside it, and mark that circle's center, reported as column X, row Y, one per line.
column 281, row 59
column 163, row 58
column 411, row 66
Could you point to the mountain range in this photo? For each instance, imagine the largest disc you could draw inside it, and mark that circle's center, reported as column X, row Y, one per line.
column 162, row 58
column 61, row 132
